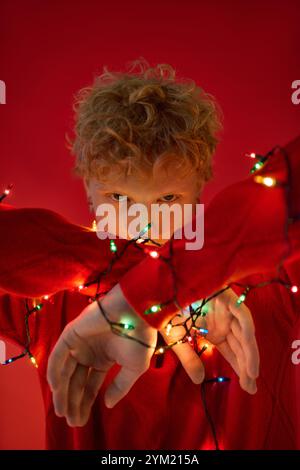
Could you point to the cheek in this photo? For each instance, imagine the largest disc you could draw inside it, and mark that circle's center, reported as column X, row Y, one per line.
column 182, row 214
column 188, row 208
column 98, row 199
column 114, row 222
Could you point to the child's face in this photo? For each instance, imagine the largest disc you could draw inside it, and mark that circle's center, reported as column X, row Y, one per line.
column 165, row 188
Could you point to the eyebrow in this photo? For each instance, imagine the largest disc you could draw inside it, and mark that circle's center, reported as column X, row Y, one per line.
column 121, row 191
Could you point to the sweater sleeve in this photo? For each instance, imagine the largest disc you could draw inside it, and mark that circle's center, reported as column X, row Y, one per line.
column 42, row 253
column 12, row 324
column 249, row 228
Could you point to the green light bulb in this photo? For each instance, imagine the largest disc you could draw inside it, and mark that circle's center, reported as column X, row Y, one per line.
column 113, row 246
column 153, row 309
column 145, row 229
column 257, row 166
column 241, row 299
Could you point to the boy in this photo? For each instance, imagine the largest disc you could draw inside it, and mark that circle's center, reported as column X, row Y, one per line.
column 140, row 125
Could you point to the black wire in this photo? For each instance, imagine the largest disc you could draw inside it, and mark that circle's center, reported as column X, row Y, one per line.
column 208, row 415
column 115, row 328
column 118, row 328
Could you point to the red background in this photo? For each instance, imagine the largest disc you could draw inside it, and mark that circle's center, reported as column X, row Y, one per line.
column 247, row 54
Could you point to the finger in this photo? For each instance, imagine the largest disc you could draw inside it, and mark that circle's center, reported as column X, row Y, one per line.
column 120, row 386
column 92, row 387
column 247, row 383
column 229, row 355
column 247, row 337
column 249, row 345
column 57, row 357
column 218, row 322
column 75, row 393
column 60, row 394
column 244, row 317
column 240, row 358
column 190, row 361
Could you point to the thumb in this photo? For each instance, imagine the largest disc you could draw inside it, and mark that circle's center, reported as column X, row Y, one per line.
column 121, row 385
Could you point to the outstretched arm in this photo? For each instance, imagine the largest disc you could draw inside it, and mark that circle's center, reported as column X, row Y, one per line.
column 249, row 228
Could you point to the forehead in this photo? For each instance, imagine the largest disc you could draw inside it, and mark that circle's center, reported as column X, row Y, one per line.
column 160, row 182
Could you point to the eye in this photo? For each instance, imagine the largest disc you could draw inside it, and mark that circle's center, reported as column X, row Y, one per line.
column 117, row 197
column 169, row 198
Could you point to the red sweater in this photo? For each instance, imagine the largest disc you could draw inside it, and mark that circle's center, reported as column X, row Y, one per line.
column 42, row 253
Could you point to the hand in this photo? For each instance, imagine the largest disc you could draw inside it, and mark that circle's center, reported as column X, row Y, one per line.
column 87, row 349
column 231, row 330
column 188, row 357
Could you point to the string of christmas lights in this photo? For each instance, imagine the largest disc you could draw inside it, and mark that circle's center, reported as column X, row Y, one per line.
column 192, row 332
column 269, row 182
column 197, row 310
column 5, row 192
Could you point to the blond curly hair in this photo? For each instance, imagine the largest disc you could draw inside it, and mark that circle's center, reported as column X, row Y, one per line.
column 140, row 120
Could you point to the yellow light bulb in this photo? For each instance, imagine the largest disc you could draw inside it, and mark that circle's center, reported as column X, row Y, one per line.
column 169, row 328
column 94, row 226
column 265, row 180
column 33, row 361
